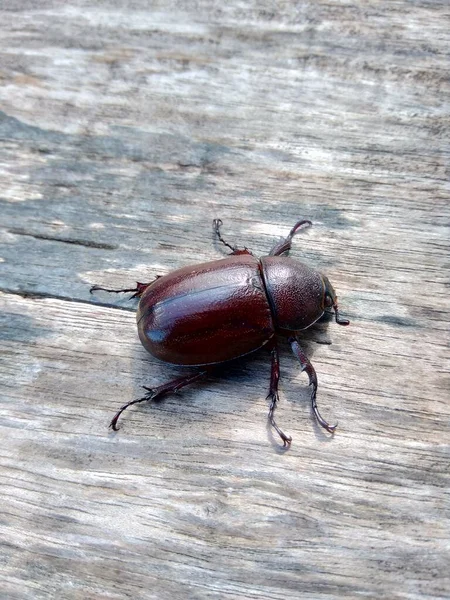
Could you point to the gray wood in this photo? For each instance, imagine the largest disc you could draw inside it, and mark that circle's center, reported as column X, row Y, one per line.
column 124, row 131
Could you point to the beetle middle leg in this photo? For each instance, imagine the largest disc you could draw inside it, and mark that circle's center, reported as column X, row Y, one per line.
column 217, row 224
column 273, row 394
column 158, row 392
column 285, row 245
column 307, row 366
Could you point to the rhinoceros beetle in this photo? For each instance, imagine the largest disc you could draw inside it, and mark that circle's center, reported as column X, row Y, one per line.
column 214, row 312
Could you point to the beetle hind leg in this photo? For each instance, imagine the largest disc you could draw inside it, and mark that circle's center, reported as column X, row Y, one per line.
column 307, row 366
column 158, row 392
column 273, row 396
column 138, row 290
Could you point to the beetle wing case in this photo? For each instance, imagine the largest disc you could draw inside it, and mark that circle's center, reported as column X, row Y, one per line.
column 206, row 313
column 295, row 292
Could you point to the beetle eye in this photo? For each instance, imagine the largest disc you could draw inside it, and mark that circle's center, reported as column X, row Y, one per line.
column 328, row 301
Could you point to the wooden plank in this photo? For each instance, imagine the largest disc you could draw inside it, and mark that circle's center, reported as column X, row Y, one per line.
column 191, row 493
column 124, row 131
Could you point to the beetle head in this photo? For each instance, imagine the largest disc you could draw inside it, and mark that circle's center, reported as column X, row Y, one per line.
column 330, row 301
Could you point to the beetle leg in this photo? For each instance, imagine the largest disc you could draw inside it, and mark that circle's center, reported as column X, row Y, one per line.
column 307, row 366
column 138, row 290
column 158, row 392
column 285, row 245
column 217, row 224
column 273, row 395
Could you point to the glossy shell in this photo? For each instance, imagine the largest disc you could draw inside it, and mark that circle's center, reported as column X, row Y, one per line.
column 295, row 292
column 206, row 313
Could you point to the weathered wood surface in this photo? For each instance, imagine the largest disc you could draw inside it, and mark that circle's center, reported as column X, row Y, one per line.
column 124, row 131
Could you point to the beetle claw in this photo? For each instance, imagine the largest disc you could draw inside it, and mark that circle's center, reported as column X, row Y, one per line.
column 330, row 428
column 286, row 439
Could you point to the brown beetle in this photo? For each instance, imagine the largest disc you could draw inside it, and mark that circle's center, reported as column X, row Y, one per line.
column 217, row 311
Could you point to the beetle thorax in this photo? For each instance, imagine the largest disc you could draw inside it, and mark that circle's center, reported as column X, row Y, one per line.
column 295, row 292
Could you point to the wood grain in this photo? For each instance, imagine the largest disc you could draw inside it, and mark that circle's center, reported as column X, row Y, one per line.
column 124, row 131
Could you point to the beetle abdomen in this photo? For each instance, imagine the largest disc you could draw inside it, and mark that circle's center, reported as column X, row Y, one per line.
column 207, row 313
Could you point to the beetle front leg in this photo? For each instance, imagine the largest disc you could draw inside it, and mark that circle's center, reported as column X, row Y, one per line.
column 307, row 366
column 217, row 224
column 273, row 395
column 285, row 245
column 159, row 392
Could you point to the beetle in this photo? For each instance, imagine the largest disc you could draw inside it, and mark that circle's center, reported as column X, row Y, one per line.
column 210, row 313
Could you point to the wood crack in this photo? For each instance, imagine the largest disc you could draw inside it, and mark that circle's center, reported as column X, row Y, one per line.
column 45, row 295
column 76, row 242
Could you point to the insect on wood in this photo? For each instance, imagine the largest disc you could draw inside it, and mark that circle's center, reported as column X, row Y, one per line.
column 207, row 314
